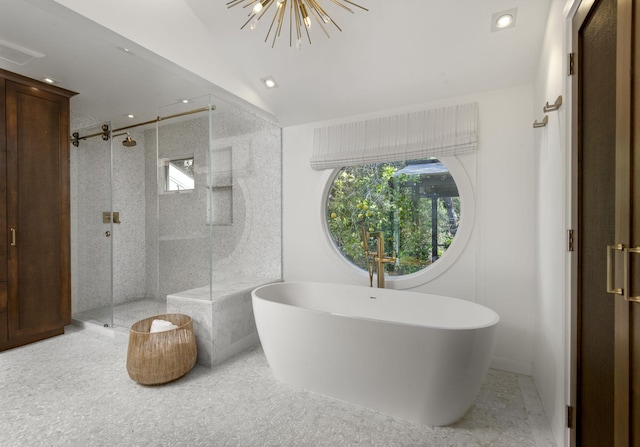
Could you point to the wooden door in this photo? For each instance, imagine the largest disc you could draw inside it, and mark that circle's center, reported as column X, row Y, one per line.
column 625, row 252
column 594, row 173
column 37, row 127
column 3, row 220
column 606, row 160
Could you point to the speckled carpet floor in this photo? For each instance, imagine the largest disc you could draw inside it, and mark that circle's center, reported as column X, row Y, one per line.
column 74, row 390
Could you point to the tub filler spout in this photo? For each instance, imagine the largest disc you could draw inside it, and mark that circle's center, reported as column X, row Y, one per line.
column 376, row 259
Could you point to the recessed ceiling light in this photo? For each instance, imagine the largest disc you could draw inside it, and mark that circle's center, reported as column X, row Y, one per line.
column 129, row 115
column 504, row 19
column 269, row 82
column 184, row 101
column 49, row 80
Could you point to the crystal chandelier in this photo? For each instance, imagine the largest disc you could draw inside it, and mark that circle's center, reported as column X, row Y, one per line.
column 299, row 16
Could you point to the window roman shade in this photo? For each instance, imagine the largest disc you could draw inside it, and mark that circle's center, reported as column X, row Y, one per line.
column 428, row 133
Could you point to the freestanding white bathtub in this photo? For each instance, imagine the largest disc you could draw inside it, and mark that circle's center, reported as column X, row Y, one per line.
column 410, row 355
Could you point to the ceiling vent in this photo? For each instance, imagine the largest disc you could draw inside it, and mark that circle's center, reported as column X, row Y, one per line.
column 17, row 54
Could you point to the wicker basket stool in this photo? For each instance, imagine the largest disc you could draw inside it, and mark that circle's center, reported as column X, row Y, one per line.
column 160, row 357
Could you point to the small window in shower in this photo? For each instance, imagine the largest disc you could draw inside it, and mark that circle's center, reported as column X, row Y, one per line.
column 179, row 175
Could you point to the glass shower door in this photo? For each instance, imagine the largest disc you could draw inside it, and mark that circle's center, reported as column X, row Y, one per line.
column 134, row 254
column 91, row 229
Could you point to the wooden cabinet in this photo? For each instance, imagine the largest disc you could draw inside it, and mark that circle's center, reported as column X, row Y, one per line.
column 35, row 283
column 3, row 220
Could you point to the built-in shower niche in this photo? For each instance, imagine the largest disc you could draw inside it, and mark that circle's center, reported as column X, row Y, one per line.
column 220, row 200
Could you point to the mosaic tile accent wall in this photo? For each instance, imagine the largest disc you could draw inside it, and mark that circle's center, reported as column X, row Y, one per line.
column 245, row 193
column 129, row 235
column 254, row 240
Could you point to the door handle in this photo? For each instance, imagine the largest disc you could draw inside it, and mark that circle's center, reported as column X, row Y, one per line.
column 13, row 236
column 624, row 291
column 611, row 249
column 627, row 283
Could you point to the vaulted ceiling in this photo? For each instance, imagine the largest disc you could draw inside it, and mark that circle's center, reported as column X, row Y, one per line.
column 396, row 54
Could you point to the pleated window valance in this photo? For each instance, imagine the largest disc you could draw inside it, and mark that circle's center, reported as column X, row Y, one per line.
column 428, row 133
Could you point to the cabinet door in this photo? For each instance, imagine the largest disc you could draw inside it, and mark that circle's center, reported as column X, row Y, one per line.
column 594, row 92
column 37, row 213
column 627, row 218
column 3, row 193
column 3, row 220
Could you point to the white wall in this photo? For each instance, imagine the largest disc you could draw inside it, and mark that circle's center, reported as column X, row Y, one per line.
column 496, row 267
column 552, row 154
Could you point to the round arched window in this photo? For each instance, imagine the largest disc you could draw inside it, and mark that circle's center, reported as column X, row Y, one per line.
column 411, row 211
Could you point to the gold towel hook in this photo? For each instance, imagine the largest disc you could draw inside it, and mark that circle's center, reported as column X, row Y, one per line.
column 555, row 106
column 544, row 122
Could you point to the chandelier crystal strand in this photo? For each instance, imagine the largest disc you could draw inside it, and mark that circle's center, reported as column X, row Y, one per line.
column 301, row 13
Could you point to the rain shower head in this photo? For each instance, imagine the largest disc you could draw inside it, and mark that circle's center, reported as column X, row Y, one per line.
column 128, row 142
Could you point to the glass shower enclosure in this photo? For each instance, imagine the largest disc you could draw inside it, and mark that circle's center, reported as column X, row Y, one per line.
column 191, row 209
column 91, row 248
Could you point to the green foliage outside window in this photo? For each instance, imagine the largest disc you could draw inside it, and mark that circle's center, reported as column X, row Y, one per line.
column 380, row 199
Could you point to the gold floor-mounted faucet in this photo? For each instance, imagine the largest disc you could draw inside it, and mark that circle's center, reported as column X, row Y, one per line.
column 375, row 259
